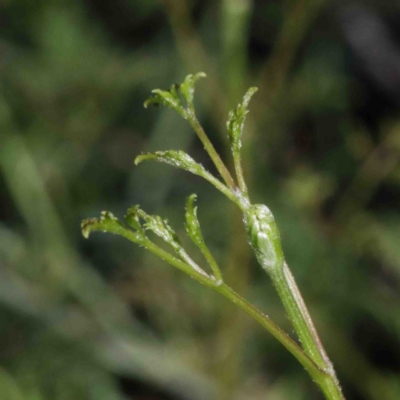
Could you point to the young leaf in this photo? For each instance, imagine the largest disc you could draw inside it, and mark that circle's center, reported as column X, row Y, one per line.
column 192, row 224
column 163, row 230
column 178, row 159
column 193, row 230
column 187, row 88
column 236, row 120
column 170, row 99
column 133, row 220
column 182, row 160
column 106, row 223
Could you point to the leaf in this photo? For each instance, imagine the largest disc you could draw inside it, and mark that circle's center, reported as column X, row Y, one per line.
column 161, row 228
column 192, row 224
column 132, row 218
column 170, row 99
column 106, row 222
column 176, row 158
column 182, row 160
column 187, row 87
column 236, row 120
column 111, row 224
column 193, row 230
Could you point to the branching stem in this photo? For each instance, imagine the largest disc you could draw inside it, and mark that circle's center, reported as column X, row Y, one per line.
column 208, row 146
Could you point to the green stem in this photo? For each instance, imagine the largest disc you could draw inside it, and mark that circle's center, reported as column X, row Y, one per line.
column 305, row 329
column 272, row 328
column 212, row 263
column 316, row 373
column 237, row 160
column 208, row 146
column 313, row 357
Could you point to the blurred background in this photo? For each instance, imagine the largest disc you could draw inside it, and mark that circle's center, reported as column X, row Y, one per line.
column 100, row 319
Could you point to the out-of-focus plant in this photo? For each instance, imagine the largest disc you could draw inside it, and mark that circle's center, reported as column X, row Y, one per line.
column 263, row 234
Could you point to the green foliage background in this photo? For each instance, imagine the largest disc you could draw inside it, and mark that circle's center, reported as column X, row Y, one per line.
column 100, row 319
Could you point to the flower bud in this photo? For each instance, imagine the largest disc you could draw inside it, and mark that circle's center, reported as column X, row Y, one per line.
column 264, row 237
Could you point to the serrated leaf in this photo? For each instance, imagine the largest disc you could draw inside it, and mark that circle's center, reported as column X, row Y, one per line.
column 236, row 120
column 187, row 87
column 106, row 223
column 193, row 230
column 161, row 228
column 182, row 160
column 176, row 158
column 192, row 224
column 170, row 99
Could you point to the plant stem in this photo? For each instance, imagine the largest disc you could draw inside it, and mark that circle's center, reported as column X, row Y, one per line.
column 225, row 290
column 237, row 160
column 301, row 320
column 208, row 146
column 318, row 374
column 313, row 357
column 326, row 380
column 275, row 331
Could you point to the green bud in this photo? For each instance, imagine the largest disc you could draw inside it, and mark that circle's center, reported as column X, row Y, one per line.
column 264, row 237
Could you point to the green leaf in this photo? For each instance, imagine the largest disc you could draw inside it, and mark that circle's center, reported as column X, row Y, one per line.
column 176, row 158
column 182, row 160
column 111, row 224
column 192, row 224
column 132, row 218
column 236, row 120
column 107, row 222
column 161, row 228
column 170, row 99
column 187, row 87
column 193, row 230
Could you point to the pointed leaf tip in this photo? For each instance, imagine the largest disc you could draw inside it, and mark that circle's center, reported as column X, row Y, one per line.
column 187, row 87
column 87, row 226
column 249, row 94
column 236, row 120
column 170, row 99
column 139, row 159
column 173, row 97
column 192, row 224
column 106, row 223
